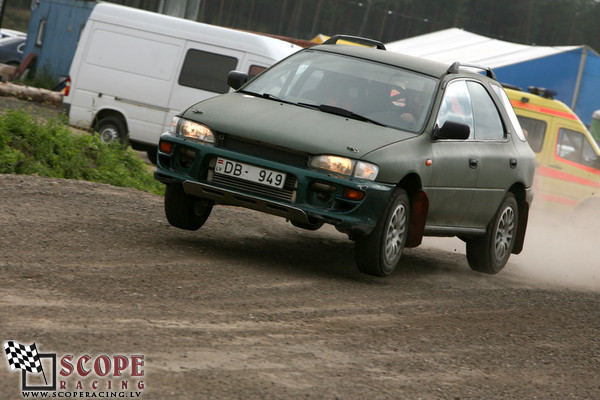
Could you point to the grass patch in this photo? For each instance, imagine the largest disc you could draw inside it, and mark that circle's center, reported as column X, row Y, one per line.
column 49, row 148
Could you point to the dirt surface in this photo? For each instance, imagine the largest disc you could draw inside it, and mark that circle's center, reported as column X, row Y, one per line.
column 249, row 307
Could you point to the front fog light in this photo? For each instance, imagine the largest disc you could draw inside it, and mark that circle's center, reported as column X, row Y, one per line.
column 196, row 131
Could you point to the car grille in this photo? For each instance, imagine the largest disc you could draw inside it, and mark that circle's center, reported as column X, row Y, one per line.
column 286, row 194
column 262, row 150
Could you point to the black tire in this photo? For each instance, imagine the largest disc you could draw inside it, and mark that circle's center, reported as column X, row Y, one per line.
column 379, row 252
column 184, row 211
column 308, row 226
column 152, row 155
column 111, row 129
column 490, row 253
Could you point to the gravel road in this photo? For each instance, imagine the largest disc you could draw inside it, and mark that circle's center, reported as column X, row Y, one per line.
column 250, row 307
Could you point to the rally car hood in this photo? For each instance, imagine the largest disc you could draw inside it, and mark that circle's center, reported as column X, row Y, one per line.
column 291, row 126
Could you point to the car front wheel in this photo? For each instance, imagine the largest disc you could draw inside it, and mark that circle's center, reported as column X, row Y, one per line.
column 184, row 211
column 489, row 253
column 379, row 252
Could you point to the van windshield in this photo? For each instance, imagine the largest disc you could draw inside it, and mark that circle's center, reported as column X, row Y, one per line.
column 349, row 86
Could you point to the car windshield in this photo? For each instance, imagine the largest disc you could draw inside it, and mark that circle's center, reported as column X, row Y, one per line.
column 351, row 87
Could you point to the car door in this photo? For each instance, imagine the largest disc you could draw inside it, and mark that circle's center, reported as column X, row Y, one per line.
column 498, row 160
column 454, row 163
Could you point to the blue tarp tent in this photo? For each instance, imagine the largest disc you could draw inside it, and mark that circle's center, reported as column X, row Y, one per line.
column 572, row 71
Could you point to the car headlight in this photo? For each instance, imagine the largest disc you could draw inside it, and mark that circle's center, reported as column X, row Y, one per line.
column 345, row 166
column 195, row 131
column 366, row 170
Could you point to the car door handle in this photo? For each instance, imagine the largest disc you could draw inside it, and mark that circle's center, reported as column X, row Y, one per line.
column 473, row 162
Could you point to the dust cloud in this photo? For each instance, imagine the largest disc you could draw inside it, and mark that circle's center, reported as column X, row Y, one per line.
column 560, row 250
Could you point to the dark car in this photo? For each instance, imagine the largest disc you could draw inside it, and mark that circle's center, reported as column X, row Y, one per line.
column 385, row 147
column 11, row 50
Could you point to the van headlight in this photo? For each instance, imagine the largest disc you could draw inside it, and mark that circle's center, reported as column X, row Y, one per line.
column 345, row 166
column 193, row 130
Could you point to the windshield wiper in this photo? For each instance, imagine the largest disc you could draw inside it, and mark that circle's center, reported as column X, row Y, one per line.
column 267, row 96
column 345, row 113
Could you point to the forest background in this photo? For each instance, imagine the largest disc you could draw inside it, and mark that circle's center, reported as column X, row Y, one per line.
column 534, row 22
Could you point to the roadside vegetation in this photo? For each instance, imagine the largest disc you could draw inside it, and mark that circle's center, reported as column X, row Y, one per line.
column 48, row 147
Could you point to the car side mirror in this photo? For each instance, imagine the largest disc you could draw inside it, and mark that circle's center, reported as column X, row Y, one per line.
column 452, row 130
column 237, row 79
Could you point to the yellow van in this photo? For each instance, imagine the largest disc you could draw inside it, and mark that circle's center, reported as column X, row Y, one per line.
column 568, row 172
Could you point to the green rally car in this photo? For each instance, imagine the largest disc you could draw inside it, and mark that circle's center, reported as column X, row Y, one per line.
column 385, row 147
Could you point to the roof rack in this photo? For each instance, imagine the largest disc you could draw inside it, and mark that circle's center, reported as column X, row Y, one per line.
column 511, row 86
column 454, row 68
column 543, row 92
column 356, row 39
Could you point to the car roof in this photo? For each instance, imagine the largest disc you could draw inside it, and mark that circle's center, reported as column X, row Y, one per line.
column 11, row 33
column 10, row 40
column 417, row 64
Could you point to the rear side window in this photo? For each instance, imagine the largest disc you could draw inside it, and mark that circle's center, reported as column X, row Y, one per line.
column 534, row 130
column 510, row 111
column 488, row 124
column 206, row 71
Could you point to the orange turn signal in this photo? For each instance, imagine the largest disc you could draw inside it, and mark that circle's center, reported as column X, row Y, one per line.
column 166, row 147
column 352, row 194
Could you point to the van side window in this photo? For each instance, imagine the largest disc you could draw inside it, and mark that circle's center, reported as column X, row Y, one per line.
column 206, row 71
column 488, row 125
column 573, row 146
column 255, row 70
column 535, row 130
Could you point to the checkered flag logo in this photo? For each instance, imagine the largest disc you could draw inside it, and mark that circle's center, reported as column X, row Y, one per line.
column 23, row 357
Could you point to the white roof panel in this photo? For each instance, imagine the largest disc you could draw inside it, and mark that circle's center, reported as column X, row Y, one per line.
column 453, row 44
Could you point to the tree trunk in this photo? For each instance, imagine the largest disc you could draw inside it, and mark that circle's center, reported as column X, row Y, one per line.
column 30, row 93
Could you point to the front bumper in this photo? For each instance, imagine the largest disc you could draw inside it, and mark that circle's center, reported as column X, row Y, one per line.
column 309, row 196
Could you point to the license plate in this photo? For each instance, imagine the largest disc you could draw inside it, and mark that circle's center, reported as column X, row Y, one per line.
column 250, row 173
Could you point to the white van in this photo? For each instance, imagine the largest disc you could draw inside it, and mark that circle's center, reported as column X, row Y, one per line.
column 133, row 70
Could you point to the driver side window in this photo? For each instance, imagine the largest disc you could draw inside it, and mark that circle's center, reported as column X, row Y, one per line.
column 456, row 106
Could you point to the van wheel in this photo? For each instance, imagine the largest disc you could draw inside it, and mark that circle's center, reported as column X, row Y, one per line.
column 489, row 253
column 184, row 211
column 379, row 252
column 111, row 129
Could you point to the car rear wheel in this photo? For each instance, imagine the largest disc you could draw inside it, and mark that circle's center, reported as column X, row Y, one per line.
column 184, row 211
column 379, row 252
column 490, row 253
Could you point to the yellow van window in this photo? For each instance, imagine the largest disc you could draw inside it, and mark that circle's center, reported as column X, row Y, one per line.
column 534, row 130
column 573, row 146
